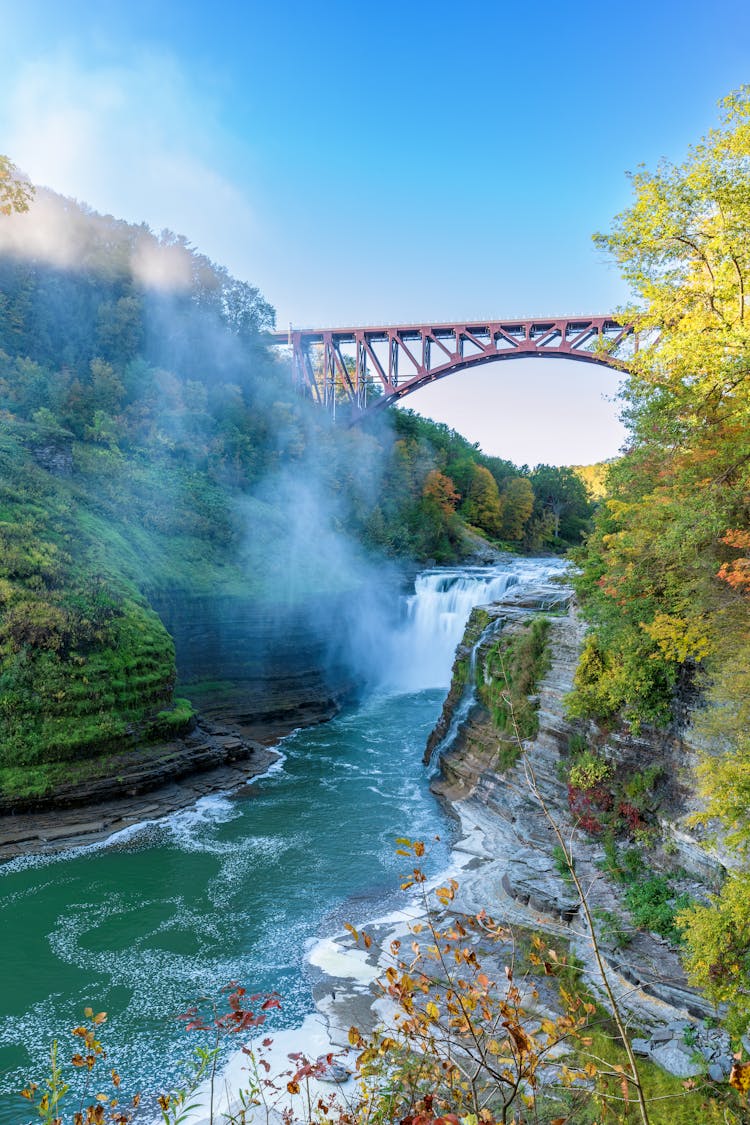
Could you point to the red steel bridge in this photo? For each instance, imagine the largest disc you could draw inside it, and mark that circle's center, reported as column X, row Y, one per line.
column 375, row 365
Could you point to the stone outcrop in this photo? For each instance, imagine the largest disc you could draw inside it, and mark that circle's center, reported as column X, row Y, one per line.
column 254, row 671
column 132, row 788
column 53, row 450
column 517, row 876
column 269, row 668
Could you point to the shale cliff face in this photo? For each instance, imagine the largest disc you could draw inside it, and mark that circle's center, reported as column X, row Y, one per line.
column 254, row 673
column 517, row 876
column 266, row 668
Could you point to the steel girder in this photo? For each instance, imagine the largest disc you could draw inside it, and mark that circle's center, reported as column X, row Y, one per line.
column 404, row 357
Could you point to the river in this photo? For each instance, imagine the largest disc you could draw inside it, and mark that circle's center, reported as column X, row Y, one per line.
column 238, row 887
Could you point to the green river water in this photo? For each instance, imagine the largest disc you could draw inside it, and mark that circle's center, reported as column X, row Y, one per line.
column 235, row 888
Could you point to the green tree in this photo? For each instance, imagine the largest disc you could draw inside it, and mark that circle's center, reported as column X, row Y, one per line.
column 561, row 494
column 482, row 507
column 517, row 506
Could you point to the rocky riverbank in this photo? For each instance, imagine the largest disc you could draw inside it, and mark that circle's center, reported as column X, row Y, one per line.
column 278, row 674
column 132, row 788
column 507, row 861
column 521, row 874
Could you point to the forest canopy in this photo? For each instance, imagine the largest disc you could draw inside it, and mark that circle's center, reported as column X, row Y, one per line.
column 152, row 441
column 665, row 575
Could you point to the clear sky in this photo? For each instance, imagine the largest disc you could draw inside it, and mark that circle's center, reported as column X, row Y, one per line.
column 382, row 162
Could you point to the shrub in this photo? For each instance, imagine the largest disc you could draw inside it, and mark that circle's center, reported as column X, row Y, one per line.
column 589, row 771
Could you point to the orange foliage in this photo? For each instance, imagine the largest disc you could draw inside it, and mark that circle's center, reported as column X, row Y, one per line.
column 440, row 488
column 736, row 538
column 737, row 573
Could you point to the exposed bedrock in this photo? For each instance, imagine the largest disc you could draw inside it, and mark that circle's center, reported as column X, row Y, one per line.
column 126, row 789
column 517, row 876
column 268, row 668
column 253, row 672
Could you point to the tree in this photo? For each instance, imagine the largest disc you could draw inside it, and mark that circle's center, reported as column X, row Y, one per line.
column 561, row 493
column 518, row 504
column 15, row 192
column 662, row 582
column 661, row 539
column 684, row 247
column 482, row 506
column 439, row 488
column 246, row 311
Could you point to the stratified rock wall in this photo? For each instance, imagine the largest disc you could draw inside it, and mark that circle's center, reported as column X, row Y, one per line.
column 517, row 876
column 268, row 668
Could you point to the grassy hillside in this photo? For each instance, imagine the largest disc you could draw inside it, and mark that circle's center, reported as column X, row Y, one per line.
column 84, row 663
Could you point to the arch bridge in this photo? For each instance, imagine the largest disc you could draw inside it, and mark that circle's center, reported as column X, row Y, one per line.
column 375, row 365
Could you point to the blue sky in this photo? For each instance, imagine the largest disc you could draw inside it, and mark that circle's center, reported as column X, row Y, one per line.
column 383, row 163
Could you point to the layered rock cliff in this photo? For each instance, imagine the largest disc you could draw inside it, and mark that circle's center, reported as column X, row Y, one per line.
column 269, row 668
column 520, row 876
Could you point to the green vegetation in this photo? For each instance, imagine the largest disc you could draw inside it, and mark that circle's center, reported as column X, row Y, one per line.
column 150, row 443
column 665, row 575
column 613, row 928
column 562, row 863
column 609, row 799
column 653, row 900
column 507, row 681
column 588, row 771
column 661, row 579
column 670, row 1100
column 437, row 481
column 654, row 906
column 15, row 193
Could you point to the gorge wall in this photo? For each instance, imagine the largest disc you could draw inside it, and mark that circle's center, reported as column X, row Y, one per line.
column 266, row 667
column 637, row 812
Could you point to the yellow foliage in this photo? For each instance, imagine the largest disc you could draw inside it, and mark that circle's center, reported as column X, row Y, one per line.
column 678, row 639
column 740, row 1077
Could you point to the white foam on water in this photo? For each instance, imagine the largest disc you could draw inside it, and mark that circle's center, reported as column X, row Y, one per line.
column 433, row 626
column 216, row 808
column 310, row 1039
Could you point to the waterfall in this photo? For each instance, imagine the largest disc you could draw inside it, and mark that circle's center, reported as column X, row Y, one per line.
column 464, row 705
column 435, row 618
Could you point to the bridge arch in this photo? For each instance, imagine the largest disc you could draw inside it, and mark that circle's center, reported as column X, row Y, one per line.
column 404, row 358
column 419, row 381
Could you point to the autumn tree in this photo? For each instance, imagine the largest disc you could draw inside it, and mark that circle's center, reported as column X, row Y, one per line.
column 440, row 489
column 684, row 247
column 663, row 573
column 15, row 192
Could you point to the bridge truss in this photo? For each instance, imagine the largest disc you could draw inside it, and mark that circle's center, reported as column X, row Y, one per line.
column 373, row 366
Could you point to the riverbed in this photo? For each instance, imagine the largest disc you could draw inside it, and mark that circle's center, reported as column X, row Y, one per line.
column 239, row 886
